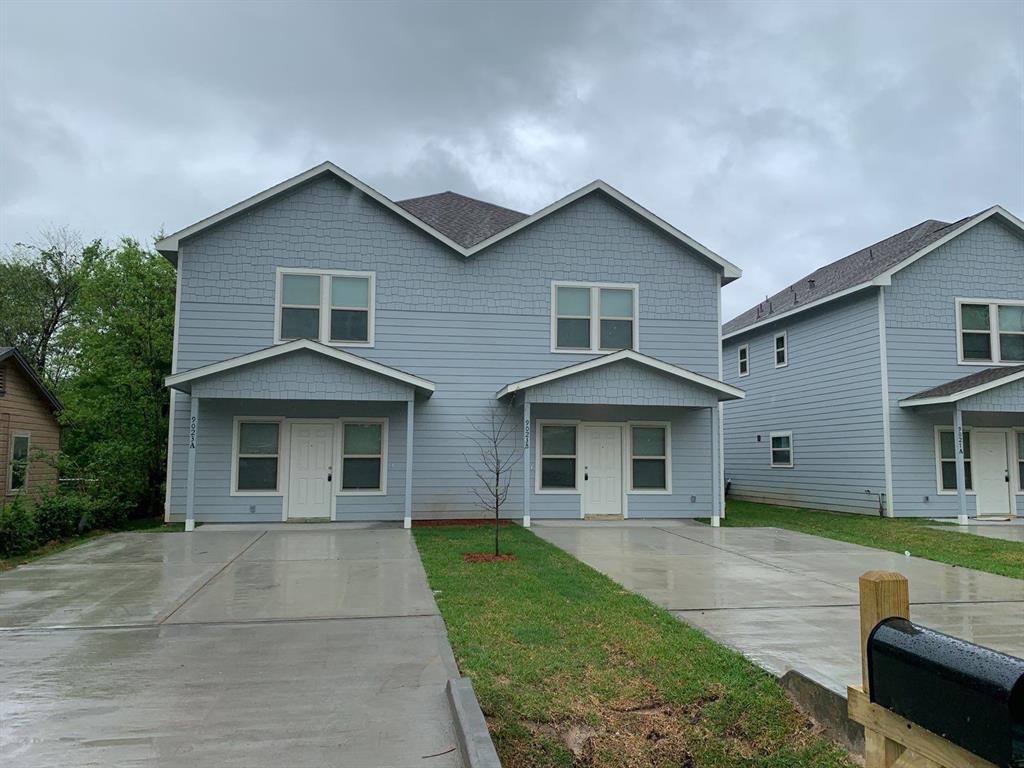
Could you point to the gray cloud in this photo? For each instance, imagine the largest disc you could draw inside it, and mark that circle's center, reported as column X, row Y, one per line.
column 782, row 135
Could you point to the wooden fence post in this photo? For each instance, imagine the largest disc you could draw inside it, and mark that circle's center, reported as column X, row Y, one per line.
column 883, row 595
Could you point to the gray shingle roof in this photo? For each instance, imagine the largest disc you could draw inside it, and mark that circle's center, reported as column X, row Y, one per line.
column 850, row 271
column 465, row 220
column 967, row 382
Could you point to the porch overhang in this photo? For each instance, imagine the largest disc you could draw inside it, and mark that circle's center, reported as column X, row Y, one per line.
column 624, row 378
column 301, row 369
column 999, row 389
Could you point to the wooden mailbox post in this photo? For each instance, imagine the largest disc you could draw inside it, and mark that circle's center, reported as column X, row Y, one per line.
column 891, row 741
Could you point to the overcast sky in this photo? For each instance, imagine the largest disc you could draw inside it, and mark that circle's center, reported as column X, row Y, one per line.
column 780, row 135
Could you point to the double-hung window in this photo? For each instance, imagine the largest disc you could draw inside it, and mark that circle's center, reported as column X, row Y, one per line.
column 333, row 307
column 781, row 350
column 363, row 452
column 557, row 457
column 257, row 457
column 1020, row 461
column 17, row 472
column 946, row 451
column 593, row 318
column 743, row 359
column 990, row 331
column 649, row 457
column 781, row 447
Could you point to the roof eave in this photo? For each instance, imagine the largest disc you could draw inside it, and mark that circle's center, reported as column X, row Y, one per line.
column 919, row 402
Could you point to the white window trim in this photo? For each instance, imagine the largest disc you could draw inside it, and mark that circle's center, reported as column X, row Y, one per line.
column 938, row 459
column 667, row 490
column 539, row 458
column 595, row 315
column 1018, row 458
column 785, row 349
column 11, row 491
column 771, row 451
column 281, row 457
column 325, row 304
column 743, row 356
column 340, row 464
column 993, row 330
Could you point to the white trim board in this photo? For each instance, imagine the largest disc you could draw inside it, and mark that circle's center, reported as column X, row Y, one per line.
column 177, row 380
column 912, row 402
column 169, row 245
column 885, row 278
column 726, row 391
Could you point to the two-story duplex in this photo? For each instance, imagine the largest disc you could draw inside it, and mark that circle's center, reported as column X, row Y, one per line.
column 336, row 353
column 890, row 381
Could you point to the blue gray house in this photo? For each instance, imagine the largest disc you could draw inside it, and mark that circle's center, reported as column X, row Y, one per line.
column 336, row 352
column 890, row 381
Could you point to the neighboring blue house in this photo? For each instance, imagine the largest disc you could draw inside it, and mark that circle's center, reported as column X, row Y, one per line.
column 336, row 351
column 862, row 377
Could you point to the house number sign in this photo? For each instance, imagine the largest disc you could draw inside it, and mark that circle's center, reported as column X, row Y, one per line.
column 526, row 432
column 192, row 432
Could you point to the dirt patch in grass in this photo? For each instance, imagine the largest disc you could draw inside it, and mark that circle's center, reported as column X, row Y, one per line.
column 467, row 522
column 482, row 557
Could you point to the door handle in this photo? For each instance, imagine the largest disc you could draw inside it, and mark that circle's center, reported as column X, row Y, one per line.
column 328, row 477
column 586, row 474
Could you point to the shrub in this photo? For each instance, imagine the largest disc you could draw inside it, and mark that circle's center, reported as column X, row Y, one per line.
column 18, row 532
column 63, row 515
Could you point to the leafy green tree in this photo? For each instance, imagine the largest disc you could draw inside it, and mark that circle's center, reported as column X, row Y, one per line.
column 38, row 287
column 116, row 404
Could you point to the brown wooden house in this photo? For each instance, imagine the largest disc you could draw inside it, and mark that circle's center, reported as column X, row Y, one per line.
column 29, row 431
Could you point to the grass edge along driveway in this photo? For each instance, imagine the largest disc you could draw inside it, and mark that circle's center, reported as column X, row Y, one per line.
column 894, row 534
column 573, row 670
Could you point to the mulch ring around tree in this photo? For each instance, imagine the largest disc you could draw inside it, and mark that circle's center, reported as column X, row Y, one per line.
column 481, row 557
column 470, row 522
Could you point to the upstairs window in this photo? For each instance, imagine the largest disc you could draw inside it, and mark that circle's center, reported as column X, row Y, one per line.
column 990, row 332
column 331, row 307
column 743, row 359
column 781, row 449
column 781, row 350
column 947, row 460
column 593, row 318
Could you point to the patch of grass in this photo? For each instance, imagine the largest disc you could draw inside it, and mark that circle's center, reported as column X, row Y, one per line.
column 152, row 525
column 900, row 534
column 573, row 670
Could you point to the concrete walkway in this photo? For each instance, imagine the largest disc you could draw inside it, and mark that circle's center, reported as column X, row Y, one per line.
column 226, row 648
column 1008, row 531
column 787, row 600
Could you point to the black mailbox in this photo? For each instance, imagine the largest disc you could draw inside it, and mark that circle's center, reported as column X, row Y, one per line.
column 969, row 695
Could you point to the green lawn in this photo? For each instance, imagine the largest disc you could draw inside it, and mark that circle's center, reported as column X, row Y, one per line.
column 894, row 534
column 155, row 524
column 572, row 670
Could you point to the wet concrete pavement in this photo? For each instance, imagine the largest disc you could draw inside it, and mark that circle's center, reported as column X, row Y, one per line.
column 1008, row 532
column 237, row 648
column 787, row 600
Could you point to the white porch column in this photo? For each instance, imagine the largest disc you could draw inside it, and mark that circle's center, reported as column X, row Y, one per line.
column 716, row 470
column 526, row 461
column 190, row 480
column 409, row 411
column 961, row 475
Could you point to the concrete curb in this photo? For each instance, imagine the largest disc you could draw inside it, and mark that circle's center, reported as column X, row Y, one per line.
column 827, row 707
column 470, row 727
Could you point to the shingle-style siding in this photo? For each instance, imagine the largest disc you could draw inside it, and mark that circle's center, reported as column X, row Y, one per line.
column 624, row 383
column 23, row 410
column 986, row 262
column 469, row 325
column 301, row 375
column 1007, row 398
column 829, row 396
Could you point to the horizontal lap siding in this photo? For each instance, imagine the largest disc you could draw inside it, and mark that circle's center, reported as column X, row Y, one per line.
column 471, row 326
column 829, row 397
column 987, row 262
column 23, row 410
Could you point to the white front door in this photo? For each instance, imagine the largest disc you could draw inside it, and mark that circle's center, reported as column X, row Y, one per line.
column 602, row 470
column 309, row 470
column 990, row 472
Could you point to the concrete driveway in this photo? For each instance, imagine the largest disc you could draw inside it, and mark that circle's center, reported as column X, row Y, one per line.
column 226, row 648
column 787, row 600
